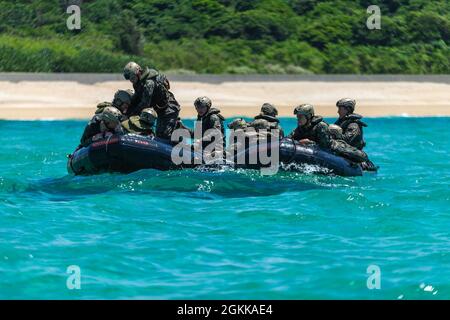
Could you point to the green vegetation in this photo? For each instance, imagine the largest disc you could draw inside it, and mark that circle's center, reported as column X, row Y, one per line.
column 227, row 36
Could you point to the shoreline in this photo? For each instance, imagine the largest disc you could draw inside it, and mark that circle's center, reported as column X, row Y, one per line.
column 407, row 116
column 59, row 100
column 92, row 78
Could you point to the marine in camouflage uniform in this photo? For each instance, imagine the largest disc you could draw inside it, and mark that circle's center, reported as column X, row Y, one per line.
column 351, row 123
column 239, row 127
column 142, row 124
column 310, row 127
column 173, row 105
column 267, row 119
column 121, row 101
column 342, row 148
column 245, row 136
column 151, row 92
column 101, row 125
column 210, row 119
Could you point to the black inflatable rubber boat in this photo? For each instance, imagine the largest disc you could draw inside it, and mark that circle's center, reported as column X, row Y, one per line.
column 128, row 153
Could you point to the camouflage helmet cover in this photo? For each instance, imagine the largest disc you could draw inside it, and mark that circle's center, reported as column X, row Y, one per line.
column 121, row 97
column 101, row 106
column 305, row 109
column 148, row 116
column 237, row 124
column 259, row 124
column 130, row 70
column 269, row 109
column 203, row 102
column 347, row 103
column 111, row 115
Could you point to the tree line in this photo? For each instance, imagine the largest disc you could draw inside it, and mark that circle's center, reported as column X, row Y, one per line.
column 227, row 36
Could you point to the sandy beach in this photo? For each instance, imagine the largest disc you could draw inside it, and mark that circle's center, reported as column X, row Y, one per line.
column 76, row 100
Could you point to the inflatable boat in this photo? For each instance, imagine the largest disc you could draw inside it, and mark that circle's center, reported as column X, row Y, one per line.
column 128, row 153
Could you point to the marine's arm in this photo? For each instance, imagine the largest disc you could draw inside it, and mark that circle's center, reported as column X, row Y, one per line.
column 91, row 129
column 215, row 125
column 293, row 135
column 147, row 95
column 181, row 125
column 165, row 97
column 323, row 135
column 352, row 133
column 342, row 148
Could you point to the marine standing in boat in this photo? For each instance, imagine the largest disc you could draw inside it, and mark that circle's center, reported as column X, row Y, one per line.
column 151, row 92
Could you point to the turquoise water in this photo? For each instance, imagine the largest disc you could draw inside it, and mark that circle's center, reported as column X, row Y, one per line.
column 226, row 235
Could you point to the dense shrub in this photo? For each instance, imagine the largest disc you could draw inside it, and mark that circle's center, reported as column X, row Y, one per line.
column 227, row 36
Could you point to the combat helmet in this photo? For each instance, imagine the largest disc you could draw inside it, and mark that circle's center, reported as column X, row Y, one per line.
column 305, row 109
column 203, row 102
column 101, row 106
column 347, row 103
column 111, row 115
column 148, row 116
column 335, row 131
column 260, row 124
column 269, row 110
column 121, row 97
column 130, row 70
column 237, row 124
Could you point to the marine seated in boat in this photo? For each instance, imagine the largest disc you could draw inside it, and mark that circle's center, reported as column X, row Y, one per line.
column 101, row 126
column 142, row 124
column 246, row 135
column 310, row 128
column 121, row 101
column 342, row 148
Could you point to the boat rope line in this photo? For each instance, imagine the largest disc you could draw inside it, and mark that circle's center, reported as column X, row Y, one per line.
column 107, row 143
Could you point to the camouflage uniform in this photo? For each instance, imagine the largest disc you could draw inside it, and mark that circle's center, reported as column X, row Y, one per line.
column 316, row 130
column 134, row 125
column 352, row 128
column 95, row 127
column 101, row 106
column 167, row 124
column 121, row 97
column 351, row 124
column 151, row 92
column 91, row 129
column 250, row 134
column 211, row 120
column 267, row 119
column 342, row 148
column 239, row 127
column 142, row 124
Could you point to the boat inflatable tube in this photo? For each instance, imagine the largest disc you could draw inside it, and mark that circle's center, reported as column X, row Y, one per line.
column 129, row 153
